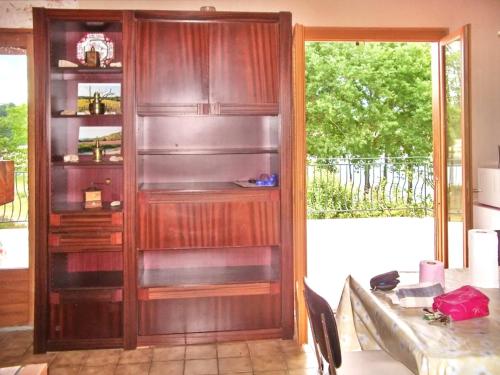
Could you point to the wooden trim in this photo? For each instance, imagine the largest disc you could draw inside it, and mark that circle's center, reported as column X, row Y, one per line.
column 325, row 34
column 299, row 184
column 210, row 337
column 41, row 181
column 466, row 139
column 439, row 213
column 374, row 34
column 198, row 291
column 286, row 206
column 74, row 344
column 129, row 174
column 23, row 38
column 462, row 35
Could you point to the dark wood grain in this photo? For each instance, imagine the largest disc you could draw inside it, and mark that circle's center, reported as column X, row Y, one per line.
column 286, row 111
column 86, row 314
column 129, row 172
column 6, row 181
column 171, row 63
column 196, row 338
column 208, row 220
column 86, row 218
column 244, row 63
column 209, row 314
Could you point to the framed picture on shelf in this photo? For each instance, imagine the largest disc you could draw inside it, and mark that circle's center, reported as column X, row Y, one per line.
column 108, row 93
column 110, row 139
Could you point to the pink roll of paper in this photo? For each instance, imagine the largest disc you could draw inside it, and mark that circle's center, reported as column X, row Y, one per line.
column 431, row 271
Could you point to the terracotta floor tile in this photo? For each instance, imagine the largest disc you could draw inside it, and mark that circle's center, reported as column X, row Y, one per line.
column 167, row 368
column 233, row 349
column 201, row 367
column 263, row 348
column 169, row 353
column 201, row 351
column 300, row 360
column 269, row 362
column 132, row 369
column 290, row 346
column 136, row 356
column 103, row 357
column 234, row 365
column 65, row 370
column 38, row 358
column 97, row 370
column 279, row 372
column 71, row 358
column 304, row 371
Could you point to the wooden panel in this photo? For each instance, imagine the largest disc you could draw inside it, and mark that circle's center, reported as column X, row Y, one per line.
column 87, row 219
column 84, row 319
column 171, row 63
column 208, row 220
column 6, row 181
column 210, row 337
column 209, row 314
column 83, row 239
column 374, row 34
column 209, row 291
column 14, row 301
column 244, row 63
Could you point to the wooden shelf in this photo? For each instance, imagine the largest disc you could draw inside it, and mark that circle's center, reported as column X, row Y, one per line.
column 88, row 280
column 207, row 276
column 88, row 164
column 209, row 151
column 87, row 70
column 84, row 74
column 78, row 207
column 91, row 120
column 206, row 291
column 198, row 187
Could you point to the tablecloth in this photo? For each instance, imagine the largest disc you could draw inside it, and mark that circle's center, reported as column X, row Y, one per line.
column 368, row 321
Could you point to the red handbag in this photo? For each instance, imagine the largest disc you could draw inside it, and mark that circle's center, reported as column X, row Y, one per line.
column 463, row 303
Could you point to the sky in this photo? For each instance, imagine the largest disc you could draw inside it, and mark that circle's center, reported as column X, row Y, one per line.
column 13, row 79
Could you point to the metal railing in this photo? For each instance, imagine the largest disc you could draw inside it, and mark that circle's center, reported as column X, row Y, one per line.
column 17, row 210
column 367, row 187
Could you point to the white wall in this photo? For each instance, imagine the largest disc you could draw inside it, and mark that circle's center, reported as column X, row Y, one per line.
column 483, row 15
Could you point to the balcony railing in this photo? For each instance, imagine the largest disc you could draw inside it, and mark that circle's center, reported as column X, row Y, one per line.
column 369, row 187
column 17, row 210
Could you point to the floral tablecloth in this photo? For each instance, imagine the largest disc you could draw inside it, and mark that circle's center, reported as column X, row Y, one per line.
column 368, row 321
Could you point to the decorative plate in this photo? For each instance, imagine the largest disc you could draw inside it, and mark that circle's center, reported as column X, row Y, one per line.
column 101, row 44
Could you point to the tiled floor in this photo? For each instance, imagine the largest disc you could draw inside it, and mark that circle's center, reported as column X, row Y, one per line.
column 266, row 357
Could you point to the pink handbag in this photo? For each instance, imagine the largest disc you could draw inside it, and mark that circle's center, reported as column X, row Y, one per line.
column 463, row 303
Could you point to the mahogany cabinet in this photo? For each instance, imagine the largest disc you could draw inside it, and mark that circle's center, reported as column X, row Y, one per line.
column 223, row 67
column 194, row 252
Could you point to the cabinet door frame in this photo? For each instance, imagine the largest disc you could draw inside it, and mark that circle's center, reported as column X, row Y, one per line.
column 23, row 38
column 330, row 34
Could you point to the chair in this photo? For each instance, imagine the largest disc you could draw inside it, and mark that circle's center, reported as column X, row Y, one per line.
column 327, row 344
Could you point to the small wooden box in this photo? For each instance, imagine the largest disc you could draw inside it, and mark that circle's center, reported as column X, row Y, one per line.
column 92, row 198
column 6, row 181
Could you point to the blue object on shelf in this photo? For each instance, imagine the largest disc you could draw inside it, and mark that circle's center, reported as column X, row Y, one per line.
column 271, row 181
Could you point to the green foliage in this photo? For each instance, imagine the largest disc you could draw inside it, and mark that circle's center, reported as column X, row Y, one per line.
column 328, row 199
column 14, row 134
column 368, row 100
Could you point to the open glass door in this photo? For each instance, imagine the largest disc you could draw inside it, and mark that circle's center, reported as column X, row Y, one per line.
column 455, row 169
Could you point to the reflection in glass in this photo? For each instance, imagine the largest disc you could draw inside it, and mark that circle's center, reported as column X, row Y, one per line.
column 453, row 82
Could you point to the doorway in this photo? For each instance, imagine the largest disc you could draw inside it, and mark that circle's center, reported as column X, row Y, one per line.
column 369, row 160
column 16, row 269
column 436, row 36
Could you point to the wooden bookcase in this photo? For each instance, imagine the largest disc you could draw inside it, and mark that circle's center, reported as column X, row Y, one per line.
column 189, row 256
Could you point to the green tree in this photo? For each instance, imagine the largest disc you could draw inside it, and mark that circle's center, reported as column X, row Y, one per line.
column 14, row 135
column 368, row 100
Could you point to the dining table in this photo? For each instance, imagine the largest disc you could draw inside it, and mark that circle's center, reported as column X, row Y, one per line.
column 368, row 320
